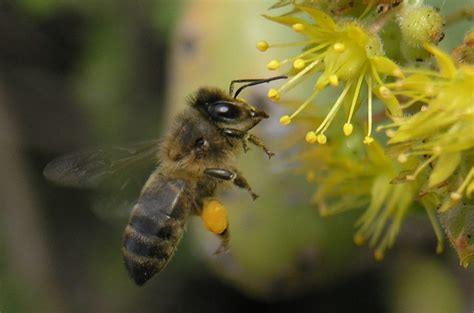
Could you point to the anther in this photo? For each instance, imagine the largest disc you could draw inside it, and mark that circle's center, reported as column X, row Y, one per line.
column 298, row 27
column 456, row 196
column 262, row 45
column 273, row 65
column 368, row 140
column 410, row 177
column 299, row 64
column 397, row 73
column 379, row 255
column 285, row 120
column 311, row 137
column 384, row 91
column 347, row 129
column 359, row 239
column 322, row 139
column 333, row 80
column 402, row 158
column 273, row 94
column 339, row 47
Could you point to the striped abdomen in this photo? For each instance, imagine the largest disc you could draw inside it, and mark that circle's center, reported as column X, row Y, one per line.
column 155, row 228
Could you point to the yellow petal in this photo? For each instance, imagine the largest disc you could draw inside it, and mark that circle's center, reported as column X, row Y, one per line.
column 286, row 20
column 445, row 166
column 445, row 63
column 390, row 102
column 321, row 18
column 386, row 66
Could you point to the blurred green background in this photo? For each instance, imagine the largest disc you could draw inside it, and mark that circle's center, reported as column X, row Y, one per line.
column 76, row 74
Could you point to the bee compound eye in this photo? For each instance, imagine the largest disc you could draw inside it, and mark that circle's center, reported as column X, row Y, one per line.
column 225, row 110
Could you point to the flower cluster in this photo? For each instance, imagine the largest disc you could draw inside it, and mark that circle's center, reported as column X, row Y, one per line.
column 439, row 136
column 425, row 157
column 342, row 53
column 361, row 181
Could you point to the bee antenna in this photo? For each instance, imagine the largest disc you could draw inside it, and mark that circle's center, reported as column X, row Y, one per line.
column 251, row 82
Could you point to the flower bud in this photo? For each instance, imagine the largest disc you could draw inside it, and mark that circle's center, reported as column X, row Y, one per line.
column 420, row 24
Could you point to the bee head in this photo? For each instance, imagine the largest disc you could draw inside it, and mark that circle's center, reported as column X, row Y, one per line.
column 226, row 110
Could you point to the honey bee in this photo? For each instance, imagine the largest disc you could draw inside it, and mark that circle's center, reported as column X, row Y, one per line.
column 195, row 157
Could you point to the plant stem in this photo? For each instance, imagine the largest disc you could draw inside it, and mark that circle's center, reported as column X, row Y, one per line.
column 381, row 21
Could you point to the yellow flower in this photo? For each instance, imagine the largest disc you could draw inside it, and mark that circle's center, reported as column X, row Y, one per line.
column 439, row 135
column 339, row 52
column 353, row 178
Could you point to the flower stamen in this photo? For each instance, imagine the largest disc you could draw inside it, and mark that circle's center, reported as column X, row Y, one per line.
column 356, row 96
column 334, row 108
column 305, row 104
column 369, row 107
column 295, row 78
column 466, row 181
column 421, row 167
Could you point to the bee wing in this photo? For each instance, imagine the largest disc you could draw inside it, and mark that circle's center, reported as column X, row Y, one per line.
column 108, row 168
column 117, row 174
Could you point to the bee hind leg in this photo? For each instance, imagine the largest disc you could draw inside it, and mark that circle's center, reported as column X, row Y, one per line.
column 225, row 240
column 214, row 216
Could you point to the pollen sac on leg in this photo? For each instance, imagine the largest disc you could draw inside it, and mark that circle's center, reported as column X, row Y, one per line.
column 214, row 216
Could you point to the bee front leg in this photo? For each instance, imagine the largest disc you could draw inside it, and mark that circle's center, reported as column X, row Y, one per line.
column 231, row 175
column 239, row 134
column 258, row 142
